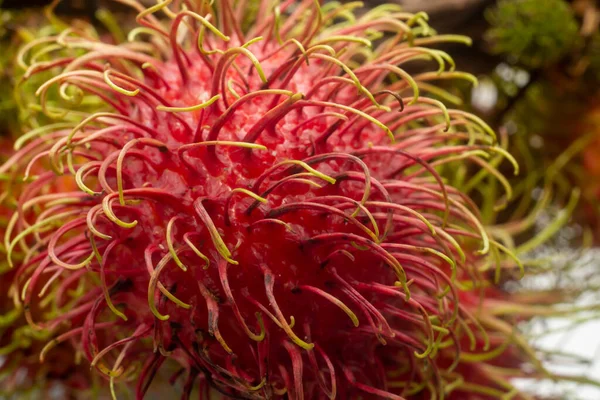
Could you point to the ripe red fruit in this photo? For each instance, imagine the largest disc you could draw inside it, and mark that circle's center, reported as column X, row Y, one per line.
column 20, row 371
column 260, row 205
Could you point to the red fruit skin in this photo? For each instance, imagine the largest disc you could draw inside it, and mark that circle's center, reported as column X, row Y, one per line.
column 331, row 266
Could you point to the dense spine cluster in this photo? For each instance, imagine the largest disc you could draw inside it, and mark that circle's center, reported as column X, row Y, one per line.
column 21, row 373
column 259, row 202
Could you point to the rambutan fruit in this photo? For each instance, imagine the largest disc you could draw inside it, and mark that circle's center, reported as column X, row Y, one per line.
column 259, row 201
column 21, row 373
column 17, row 95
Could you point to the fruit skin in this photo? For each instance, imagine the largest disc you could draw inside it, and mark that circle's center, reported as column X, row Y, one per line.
column 265, row 213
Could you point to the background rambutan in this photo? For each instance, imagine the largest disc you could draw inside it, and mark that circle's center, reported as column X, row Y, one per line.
column 259, row 201
column 21, row 374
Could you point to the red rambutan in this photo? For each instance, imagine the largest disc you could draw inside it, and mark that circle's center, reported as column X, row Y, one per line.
column 260, row 202
column 20, row 345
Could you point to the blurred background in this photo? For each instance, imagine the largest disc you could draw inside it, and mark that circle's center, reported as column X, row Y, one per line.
column 538, row 66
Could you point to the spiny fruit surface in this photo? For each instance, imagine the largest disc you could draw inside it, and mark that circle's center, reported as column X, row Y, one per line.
column 262, row 206
column 21, row 374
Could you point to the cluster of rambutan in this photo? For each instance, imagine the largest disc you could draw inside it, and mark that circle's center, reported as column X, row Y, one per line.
column 257, row 200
